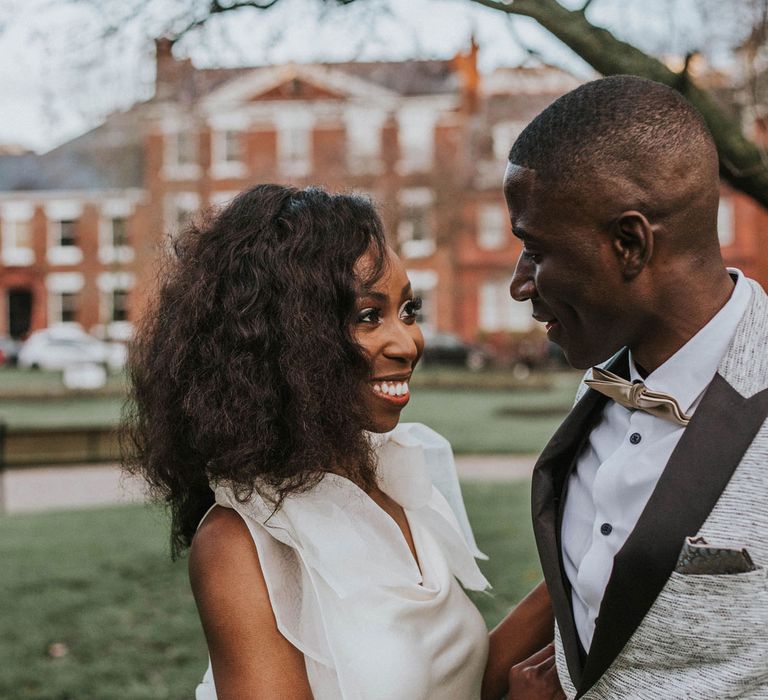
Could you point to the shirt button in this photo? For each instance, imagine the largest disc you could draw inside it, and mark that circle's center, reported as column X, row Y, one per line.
column 606, row 529
column 635, row 438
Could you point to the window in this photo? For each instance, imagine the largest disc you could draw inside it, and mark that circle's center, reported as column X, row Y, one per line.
column 415, row 230
column 492, row 224
column 16, row 229
column 416, row 137
column 504, row 135
column 68, row 301
column 424, row 285
column 232, row 147
column 726, row 231
column 63, row 296
column 119, row 305
column 180, row 208
column 293, row 149
column 227, row 154
column 119, row 228
column 363, row 130
column 181, row 157
column 114, row 243
column 186, row 148
column 17, row 234
column 63, row 242
column 114, row 316
column 499, row 312
column 67, row 233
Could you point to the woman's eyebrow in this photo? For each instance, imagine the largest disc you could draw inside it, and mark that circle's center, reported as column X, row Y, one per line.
column 367, row 293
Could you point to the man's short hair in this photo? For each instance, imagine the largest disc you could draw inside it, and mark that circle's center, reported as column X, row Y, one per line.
column 613, row 125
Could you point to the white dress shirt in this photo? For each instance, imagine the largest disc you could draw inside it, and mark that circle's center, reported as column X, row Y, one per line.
column 624, row 457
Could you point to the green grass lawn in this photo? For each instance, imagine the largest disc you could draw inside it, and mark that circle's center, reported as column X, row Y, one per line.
column 101, row 583
column 518, row 419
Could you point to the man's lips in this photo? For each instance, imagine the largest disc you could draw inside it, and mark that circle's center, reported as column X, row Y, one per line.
column 548, row 321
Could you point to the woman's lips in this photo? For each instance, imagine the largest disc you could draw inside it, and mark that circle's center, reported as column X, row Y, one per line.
column 394, row 392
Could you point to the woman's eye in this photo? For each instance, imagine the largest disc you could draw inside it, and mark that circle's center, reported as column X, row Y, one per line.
column 368, row 316
column 409, row 310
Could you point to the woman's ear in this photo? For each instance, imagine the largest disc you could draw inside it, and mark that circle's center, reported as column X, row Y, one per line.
column 633, row 238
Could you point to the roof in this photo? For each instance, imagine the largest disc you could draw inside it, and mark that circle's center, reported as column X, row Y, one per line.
column 107, row 157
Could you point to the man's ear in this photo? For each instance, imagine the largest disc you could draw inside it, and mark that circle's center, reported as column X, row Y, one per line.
column 633, row 242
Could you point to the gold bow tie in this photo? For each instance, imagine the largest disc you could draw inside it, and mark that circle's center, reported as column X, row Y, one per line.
column 637, row 396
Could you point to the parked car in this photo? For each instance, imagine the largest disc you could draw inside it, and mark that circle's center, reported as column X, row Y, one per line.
column 9, row 350
column 61, row 346
column 449, row 349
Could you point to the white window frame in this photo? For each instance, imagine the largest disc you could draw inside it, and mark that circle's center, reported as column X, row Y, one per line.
column 416, row 137
column 363, row 131
column 222, row 166
column 418, row 200
column 176, row 202
column 424, row 284
column 57, row 284
column 109, row 253
column 109, row 283
column 293, row 161
column 504, row 135
column 726, row 222
column 497, row 311
column 172, row 167
column 492, row 226
column 15, row 214
column 58, row 212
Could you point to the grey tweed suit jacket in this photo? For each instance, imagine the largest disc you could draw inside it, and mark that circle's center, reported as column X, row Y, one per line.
column 662, row 634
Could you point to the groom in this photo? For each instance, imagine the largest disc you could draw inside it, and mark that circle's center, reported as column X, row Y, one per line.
column 650, row 503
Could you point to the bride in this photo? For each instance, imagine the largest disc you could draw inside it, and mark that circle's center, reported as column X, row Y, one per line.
column 328, row 544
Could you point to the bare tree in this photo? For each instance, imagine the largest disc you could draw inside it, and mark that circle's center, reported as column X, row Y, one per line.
column 743, row 163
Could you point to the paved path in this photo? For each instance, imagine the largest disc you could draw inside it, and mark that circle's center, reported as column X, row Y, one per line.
column 77, row 486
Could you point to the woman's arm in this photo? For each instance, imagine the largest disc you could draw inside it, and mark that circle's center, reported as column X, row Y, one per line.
column 525, row 630
column 249, row 656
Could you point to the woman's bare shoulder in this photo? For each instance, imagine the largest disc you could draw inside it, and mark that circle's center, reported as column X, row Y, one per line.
column 223, row 551
column 250, row 658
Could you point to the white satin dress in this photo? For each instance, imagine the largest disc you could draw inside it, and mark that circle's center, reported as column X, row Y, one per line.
column 346, row 591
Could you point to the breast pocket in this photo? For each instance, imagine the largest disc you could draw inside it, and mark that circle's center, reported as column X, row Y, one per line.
column 709, row 618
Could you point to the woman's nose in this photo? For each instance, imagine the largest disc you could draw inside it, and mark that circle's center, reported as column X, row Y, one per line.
column 405, row 342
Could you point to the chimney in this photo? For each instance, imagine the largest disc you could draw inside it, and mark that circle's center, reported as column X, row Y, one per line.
column 171, row 75
column 465, row 64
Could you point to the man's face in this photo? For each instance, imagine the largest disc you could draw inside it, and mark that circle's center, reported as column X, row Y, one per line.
column 569, row 268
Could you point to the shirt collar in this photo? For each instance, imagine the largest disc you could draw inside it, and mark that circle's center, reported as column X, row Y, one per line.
column 689, row 371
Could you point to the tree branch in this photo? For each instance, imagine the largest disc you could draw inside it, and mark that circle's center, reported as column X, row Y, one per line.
column 741, row 160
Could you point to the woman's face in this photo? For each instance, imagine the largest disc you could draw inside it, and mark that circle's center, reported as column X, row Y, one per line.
column 386, row 329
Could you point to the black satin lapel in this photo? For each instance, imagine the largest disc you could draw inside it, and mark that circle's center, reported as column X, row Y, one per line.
column 700, row 467
column 550, row 477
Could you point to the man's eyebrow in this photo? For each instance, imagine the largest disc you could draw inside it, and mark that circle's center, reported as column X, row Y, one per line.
column 522, row 234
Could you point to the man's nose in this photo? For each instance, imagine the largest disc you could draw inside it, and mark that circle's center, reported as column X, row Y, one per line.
column 522, row 287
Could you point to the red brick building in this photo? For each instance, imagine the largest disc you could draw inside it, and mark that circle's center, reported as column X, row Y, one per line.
column 81, row 226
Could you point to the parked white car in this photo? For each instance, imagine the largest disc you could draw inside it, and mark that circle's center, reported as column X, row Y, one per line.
column 62, row 346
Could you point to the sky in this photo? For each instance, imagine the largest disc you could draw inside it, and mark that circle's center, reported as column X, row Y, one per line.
column 59, row 76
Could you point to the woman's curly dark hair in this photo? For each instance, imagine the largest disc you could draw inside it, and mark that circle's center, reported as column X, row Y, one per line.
column 244, row 367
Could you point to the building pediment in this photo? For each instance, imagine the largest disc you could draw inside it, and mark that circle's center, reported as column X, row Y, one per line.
column 295, row 82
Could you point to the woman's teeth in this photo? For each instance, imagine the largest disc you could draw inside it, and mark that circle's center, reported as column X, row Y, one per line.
column 392, row 388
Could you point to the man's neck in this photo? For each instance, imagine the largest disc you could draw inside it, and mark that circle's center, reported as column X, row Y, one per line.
column 681, row 320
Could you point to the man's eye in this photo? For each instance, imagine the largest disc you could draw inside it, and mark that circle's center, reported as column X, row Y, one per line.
column 533, row 257
column 368, row 316
column 410, row 309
